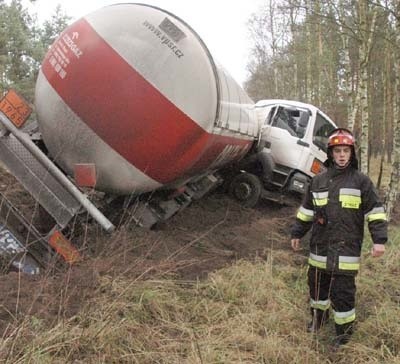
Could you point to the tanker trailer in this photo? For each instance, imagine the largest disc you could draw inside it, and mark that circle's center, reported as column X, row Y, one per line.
column 132, row 91
column 129, row 101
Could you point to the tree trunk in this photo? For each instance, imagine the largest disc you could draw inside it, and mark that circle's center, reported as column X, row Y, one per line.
column 379, row 181
column 318, row 63
column 271, row 14
column 392, row 192
column 309, row 80
column 347, row 85
column 365, row 49
column 293, row 31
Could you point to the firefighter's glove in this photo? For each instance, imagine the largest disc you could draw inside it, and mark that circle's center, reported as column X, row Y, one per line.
column 321, row 218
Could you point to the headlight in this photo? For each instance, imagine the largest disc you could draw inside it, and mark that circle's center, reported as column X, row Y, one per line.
column 298, row 185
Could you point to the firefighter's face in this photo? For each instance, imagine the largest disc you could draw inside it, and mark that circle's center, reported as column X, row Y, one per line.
column 341, row 155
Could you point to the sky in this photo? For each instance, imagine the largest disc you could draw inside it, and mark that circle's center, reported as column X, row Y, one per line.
column 220, row 23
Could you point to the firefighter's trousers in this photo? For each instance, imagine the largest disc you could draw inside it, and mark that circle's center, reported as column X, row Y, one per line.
column 334, row 290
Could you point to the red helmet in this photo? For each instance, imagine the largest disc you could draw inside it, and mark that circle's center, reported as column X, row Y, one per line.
column 341, row 136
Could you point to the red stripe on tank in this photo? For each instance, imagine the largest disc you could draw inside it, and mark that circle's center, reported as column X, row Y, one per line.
column 134, row 119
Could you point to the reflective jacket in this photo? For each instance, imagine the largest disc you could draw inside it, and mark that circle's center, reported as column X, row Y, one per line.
column 337, row 203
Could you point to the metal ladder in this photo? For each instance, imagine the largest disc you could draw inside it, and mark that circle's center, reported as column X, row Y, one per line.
column 42, row 178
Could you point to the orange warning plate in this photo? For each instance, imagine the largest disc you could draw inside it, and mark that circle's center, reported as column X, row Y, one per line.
column 15, row 108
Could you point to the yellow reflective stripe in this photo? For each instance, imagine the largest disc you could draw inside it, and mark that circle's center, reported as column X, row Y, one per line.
column 316, row 264
column 349, row 266
column 320, row 201
column 305, row 215
column 317, row 261
column 374, row 217
column 345, row 262
column 350, row 199
column 320, row 195
column 377, row 213
column 342, row 318
column 320, row 198
column 350, row 202
column 320, row 305
column 349, row 263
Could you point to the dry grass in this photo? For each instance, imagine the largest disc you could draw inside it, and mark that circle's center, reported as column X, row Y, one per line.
column 251, row 312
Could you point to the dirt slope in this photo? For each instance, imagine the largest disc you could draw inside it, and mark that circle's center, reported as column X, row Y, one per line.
column 209, row 234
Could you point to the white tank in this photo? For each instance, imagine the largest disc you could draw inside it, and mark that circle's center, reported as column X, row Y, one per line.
column 132, row 89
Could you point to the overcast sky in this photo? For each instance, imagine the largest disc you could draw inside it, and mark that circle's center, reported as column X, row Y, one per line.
column 220, row 23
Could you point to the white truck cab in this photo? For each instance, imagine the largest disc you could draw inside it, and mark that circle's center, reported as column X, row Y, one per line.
column 290, row 149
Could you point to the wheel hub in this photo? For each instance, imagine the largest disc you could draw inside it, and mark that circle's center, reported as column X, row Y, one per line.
column 243, row 191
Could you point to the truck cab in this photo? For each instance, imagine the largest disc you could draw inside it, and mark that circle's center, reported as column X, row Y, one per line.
column 290, row 149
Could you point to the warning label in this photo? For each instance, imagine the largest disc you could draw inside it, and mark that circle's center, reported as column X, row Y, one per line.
column 63, row 52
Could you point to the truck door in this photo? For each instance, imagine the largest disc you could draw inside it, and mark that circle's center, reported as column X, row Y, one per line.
column 321, row 129
column 284, row 130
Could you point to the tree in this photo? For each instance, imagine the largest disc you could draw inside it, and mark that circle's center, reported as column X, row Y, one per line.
column 332, row 54
column 16, row 48
column 52, row 28
column 366, row 35
column 23, row 44
column 392, row 192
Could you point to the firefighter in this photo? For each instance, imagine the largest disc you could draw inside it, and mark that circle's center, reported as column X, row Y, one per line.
column 337, row 203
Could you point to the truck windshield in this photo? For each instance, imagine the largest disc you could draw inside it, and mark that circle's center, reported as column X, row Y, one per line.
column 322, row 129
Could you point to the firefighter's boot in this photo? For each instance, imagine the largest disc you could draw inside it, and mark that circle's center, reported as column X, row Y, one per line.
column 343, row 334
column 319, row 318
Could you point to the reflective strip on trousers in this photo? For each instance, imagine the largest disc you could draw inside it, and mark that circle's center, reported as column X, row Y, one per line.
column 322, row 305
column 349, row 263
column 305, row 215
column 342, row 318
column 318, row 261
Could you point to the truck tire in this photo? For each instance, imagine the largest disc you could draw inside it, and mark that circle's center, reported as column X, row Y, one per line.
column 246, row 188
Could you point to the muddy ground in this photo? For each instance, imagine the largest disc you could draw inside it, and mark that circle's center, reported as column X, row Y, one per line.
column 209, row 234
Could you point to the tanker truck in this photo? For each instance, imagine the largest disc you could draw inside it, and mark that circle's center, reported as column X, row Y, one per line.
column 289, row 150
column 130, row 102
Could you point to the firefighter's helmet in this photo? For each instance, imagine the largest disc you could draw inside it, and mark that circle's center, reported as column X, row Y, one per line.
column 341, row 136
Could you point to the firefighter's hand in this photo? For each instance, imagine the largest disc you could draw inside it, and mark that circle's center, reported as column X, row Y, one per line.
column 295, row 244
column 378, row 250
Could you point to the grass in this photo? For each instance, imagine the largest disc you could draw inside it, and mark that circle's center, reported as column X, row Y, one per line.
column 250, row 312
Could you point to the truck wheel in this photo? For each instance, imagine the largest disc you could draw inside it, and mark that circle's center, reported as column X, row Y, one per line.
column 246, row 188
